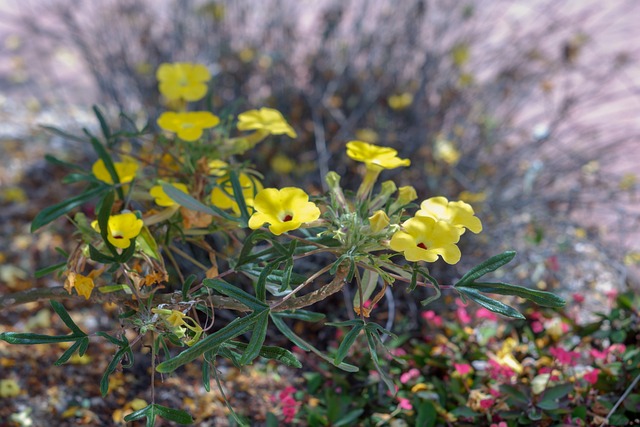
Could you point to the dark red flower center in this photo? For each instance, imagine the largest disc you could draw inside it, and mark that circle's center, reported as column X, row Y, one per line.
column 422, row 246
column 287, row 218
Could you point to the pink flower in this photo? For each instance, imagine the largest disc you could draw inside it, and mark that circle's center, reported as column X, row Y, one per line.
column 612, row 295
column 565, row 328
column 547, row 370
column 617, row 348
column 462, row 368
column 409, row 375
column 500, row 424
column 537, row 326
column 564, row 357
column 398, row 352
column 596, row 354
column 483, row 313
column 499, row 372
column 592, row 376
column 431, row 317
column 578, row 298
column 404, row 403
column 487, row 403
column 463, row 316
column 552, row 263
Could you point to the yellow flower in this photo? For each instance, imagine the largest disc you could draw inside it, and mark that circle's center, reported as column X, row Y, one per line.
column 265, row 119
column 378, row 221
column 401, row 101
column 188, row 126
column 183, row 80
column 121, row 229
column 285, row 210
column 218, row 167
column 222, row 195
column 458, row 214
column 446, row 151
column 179, row 322
column 375, row 157
column 406, row 195
column 423, row 239
column 126, row 171
column 161, row 197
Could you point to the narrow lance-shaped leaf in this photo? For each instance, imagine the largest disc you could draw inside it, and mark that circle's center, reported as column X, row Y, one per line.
column 108, row 162
column 236, row 293
column 488, row 266
column 189, row 202
column 154, row 410
column 237, row 327
column 64, row 316
column 347, row 342
column 489, row 303
column 257, row 338
column 54, row 212
column 545, row 299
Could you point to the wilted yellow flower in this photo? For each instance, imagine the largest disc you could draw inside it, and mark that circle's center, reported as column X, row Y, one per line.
column 179, row 322
column 284, row 210
column 126, row 171
column 161, row 197
column 265, row 119
column 222, row 195
column 188, row 126
column 458, row 214
column 424, row 239
column 122, row 228
column 378, row 221
column 374, row 156
column 183, row 80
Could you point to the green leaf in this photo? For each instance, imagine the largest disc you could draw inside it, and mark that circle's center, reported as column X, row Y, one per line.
column 347, row 342
column 206, row 375
column 372, row 338
column 55, row 161
column 104, row 381
column 427, row 414
column 54, row 212
column 103, row 123
column 558, row 392
column 189, row 202
column 29, row 338
column 257, row 338
column 238, row 195
column 304, row 345
column 464, row 411
column 98, row 256
column 488, row 266
column 108, row 162
column 187, row 285
column 47, row 270
column 348, row 418
column 150, row 413
column 64, row 316
column 237, row 327
column 271, row 352
column 249, row 243
column 489, row 303
column 545, row 299
column 514, row 393
column 236, row 293
column 261, row 284
column 63, row 134
column 103, row 210
column 304, row 315
column 80, row 345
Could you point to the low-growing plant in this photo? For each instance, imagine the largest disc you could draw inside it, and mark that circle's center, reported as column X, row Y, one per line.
column 465, row 367
column 181, row 229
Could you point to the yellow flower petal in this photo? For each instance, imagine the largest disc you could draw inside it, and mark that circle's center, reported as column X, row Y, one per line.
column 161, row 197
column 126, row 171
column 187, row 125
column 284, row 210
column 266, row 119
column 121, row 229
column 374, row 156
column 458, row 214
column 183, row 80
column 424, row 239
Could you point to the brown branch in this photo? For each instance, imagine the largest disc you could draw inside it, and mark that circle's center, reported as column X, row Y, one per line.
column 220, row 302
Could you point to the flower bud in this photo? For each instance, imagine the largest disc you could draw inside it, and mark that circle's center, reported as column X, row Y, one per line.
column 378, row 221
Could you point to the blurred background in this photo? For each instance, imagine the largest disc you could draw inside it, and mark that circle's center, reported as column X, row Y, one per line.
column 527, row 110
